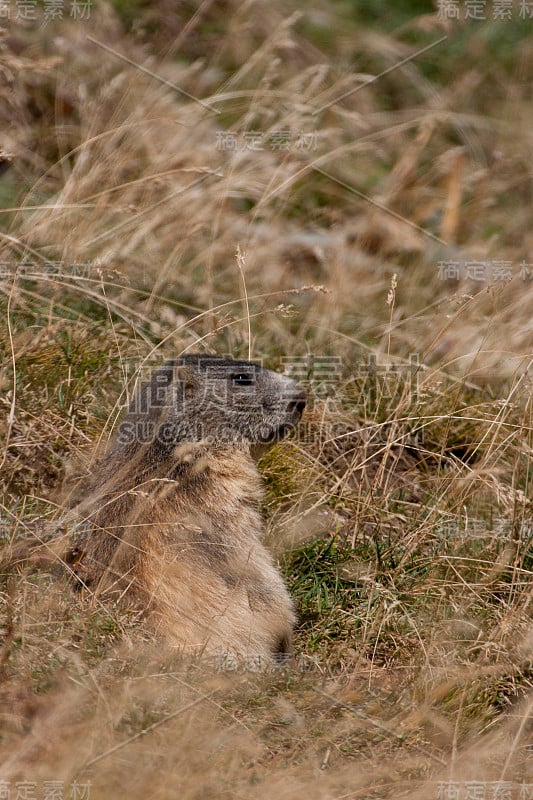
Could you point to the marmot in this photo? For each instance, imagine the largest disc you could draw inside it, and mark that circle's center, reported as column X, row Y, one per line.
column 172, row 518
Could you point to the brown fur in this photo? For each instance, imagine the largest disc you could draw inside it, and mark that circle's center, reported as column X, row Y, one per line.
column 173, row 523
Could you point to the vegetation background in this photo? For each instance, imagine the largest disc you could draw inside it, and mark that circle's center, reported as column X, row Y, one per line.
column 340, row 189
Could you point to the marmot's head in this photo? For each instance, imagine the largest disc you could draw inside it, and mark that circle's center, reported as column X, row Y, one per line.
column 198, row 398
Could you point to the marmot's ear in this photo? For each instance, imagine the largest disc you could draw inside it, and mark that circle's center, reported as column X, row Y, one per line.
column 185, row 382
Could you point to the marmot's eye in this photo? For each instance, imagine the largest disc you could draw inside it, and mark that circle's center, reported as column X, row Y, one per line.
column 242, row 379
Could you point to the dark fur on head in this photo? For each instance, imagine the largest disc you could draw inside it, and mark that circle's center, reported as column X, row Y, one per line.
column 219, row 401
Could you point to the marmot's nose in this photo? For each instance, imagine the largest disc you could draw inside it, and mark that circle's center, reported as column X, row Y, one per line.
column 296, row 405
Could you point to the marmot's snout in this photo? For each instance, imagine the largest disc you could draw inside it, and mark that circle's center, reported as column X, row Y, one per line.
column 291, row 408
column 297, row 406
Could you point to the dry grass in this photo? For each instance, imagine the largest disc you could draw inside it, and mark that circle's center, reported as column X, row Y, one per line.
column 401, row 515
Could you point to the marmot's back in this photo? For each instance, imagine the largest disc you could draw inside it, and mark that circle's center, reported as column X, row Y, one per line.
column 173, row 520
